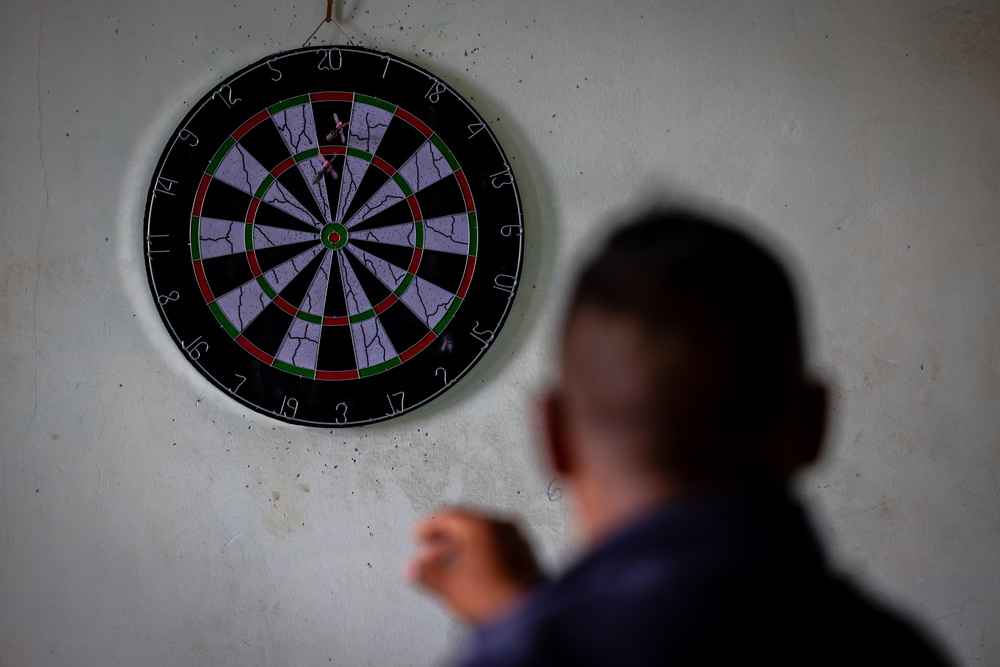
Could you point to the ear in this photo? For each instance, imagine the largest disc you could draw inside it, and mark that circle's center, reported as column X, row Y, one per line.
column 556, row 436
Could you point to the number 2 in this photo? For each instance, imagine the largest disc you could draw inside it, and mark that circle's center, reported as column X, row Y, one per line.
column 227, row 99
column 326, row 60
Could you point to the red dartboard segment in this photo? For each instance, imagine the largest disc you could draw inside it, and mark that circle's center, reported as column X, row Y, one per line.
column 383, row 165
column 336, row 321
column 247, row 126
column 284, row 166
column 331, row 97
column 333, row 149
column 285, row 306
column 414, row 121
column 416, row 349
column 254, row 264
column 470, row 204
column 254, row 350
column 337, row 375
column 389, row 300
column 470, row 266
column 414, row 208
column 252, row 213
column 418, row 253
column 206, row 291
column 199, row 198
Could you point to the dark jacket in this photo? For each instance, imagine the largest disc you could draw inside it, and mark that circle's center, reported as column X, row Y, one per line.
column 731, row 578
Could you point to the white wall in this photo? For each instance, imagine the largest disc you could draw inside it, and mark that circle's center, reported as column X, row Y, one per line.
column 139, row 525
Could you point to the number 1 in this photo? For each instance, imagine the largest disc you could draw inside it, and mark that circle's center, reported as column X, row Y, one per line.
column 392, row 408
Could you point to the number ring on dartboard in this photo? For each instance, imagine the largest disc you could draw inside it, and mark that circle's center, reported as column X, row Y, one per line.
column 349, row 260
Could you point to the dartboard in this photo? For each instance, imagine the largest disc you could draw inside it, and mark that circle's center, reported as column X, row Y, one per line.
column 333, row 236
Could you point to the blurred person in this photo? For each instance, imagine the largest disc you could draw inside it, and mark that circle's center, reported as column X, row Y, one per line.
column 681, row 412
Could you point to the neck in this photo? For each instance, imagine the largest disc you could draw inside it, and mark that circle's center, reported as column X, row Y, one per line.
column 608, row 502
column 612, row 498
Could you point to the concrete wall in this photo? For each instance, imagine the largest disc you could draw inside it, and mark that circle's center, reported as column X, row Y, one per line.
column 145, row 518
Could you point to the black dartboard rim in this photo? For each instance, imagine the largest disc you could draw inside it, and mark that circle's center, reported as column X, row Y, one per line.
column 328, row 301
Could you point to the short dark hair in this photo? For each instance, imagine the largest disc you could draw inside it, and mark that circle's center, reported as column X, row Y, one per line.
column 680, row 271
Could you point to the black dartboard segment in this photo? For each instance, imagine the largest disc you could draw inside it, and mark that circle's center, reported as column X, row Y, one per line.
column 333, row 236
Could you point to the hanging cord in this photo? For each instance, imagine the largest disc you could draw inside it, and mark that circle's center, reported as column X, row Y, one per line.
column 329, row 19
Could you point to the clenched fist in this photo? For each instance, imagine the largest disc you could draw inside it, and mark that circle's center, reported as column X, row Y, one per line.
column 478, row 565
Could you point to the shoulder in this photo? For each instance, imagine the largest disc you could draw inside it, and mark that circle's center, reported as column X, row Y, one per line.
column 632, row 608
column 703, row 585
column 825, row 622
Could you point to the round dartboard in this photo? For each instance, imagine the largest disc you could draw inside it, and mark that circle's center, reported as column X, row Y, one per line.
column 333, row 236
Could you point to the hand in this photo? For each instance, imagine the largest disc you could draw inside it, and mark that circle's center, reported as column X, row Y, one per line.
column 479, row 566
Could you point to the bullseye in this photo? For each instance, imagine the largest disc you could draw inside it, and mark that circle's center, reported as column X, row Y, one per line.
column 334, row 236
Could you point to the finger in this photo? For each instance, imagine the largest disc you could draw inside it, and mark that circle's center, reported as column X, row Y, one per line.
column 449, row 522
column 437, row 522
column 438, row 534
column 432, row 566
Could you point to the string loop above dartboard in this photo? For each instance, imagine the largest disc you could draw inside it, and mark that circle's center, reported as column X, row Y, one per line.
column 329, row 19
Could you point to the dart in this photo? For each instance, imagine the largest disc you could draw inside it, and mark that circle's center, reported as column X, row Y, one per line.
column 328, row 168
column 338, row 129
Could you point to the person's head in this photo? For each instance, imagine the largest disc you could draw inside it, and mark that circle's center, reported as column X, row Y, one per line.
column 682, row 361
